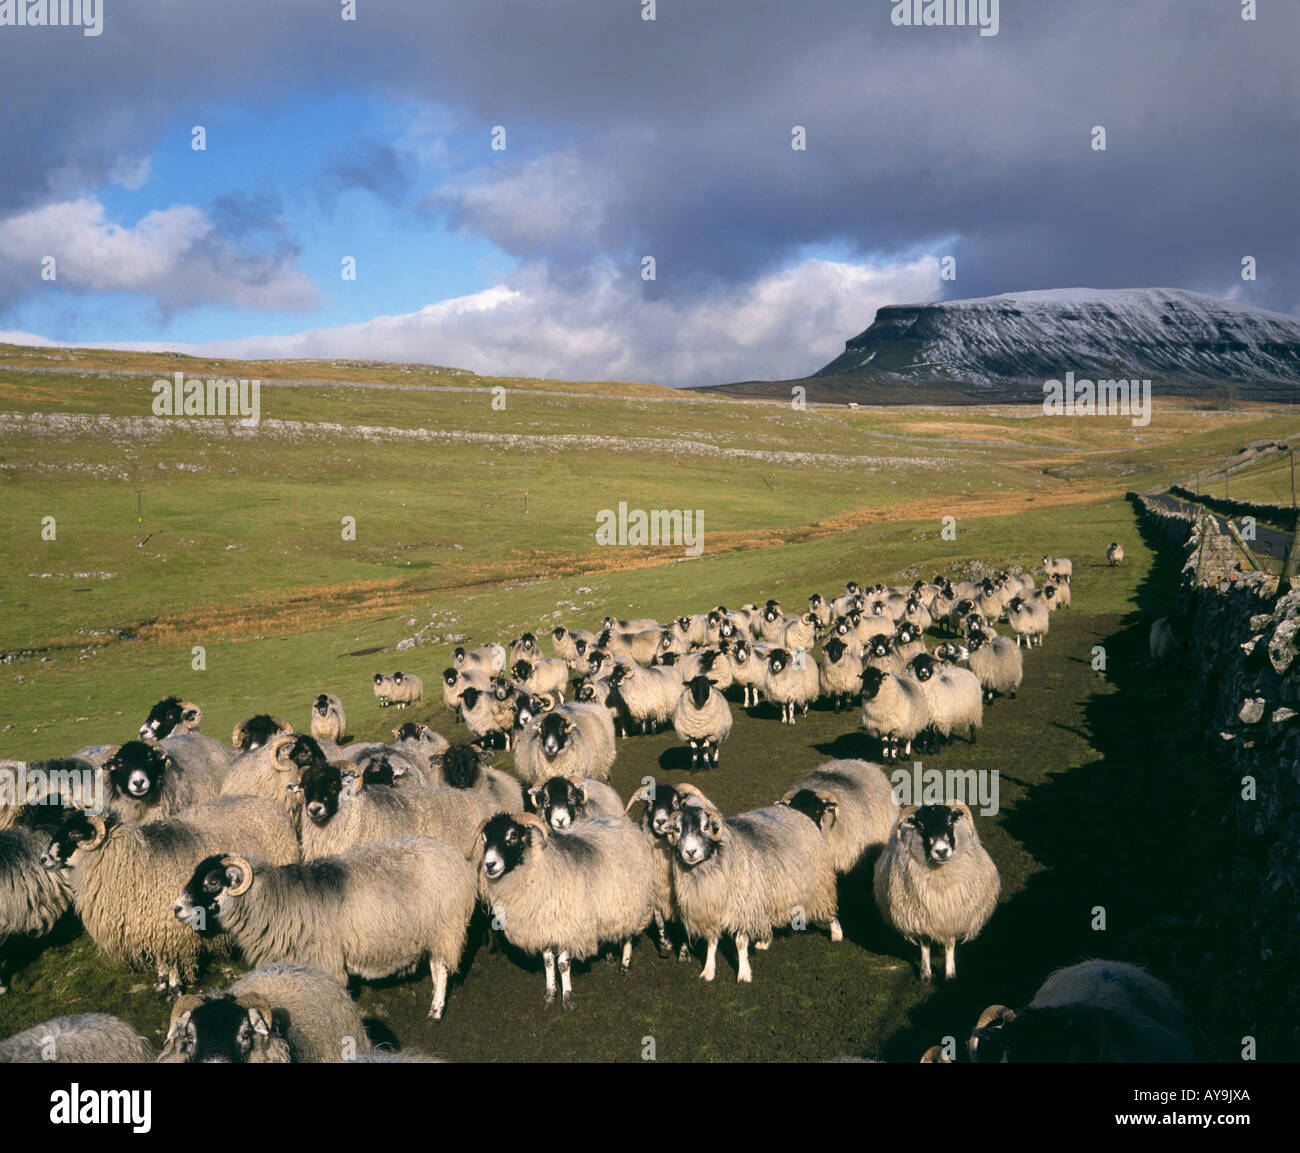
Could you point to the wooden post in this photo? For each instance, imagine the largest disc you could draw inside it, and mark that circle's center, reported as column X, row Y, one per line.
column 139, row 520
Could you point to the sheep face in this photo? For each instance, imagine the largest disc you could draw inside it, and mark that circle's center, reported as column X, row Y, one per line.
column 521, row 670
column 218, row 1031
column 872, row 679
column 778, row 660
column 450, row 677
column 78, row 833
column 504, row 841
column 458, row 654
column 906, row 634
column 741, row 652
column 558, row 801
column 695, row 833
column 321, row 786
column 166, row 716
column 841, row 627
column 923, row 667
column 881, row 645
column 214, row 885
column 528, row 643
column 461, row 765
column 835, row 649
column 816, row 806
column 137, row 770
column 256, row 731
column 661, row 809
column 322, row 705
column 380, row 771
column 411, row 731
column 554, row 733
column 700, row 689
column 931, row 833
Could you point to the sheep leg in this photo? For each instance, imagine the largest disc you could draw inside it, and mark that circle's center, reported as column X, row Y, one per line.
column 949, row 960
column 662, row 943
column 626, row 966
column 743, row 972
column 763, row 944
column 438, row 970
column 566, row 993
column 925, row 962
column 837, row 933
column 684, row 953
column 548, row 962
column 710, row 960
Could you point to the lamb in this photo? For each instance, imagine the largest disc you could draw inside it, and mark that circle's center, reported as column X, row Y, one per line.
column 254, row 732
column 468, row 767
column 702, row 718
column 123, row 876
column 572, row 645
column 565, row 896
column 1114, row 553
column 954, row 696
column 747, row 669
column 840, row 673
column 639, row 647
column 561, row 802
column 143, row 782
column 895, row 711
column 1165, row 646
column 574, row 741
column 791, row 681
column 661, row 802
column 996, row 662
column 1027, row 620
column 746, row 875
column 375, row 911
column 543, row 675
column 89, row 1038
column 273, row 1015
column 490, row 712
column 1093, row 1011
column 648, row 695
column 853, row 804
column 32, row 898
column 935, row 882
column 1060, row 567
column 342, row 811
column 328, row 720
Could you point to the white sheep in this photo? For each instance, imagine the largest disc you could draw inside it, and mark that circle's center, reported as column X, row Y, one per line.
column 702, row 718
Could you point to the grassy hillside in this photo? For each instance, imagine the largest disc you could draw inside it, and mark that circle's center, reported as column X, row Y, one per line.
column 245, row 557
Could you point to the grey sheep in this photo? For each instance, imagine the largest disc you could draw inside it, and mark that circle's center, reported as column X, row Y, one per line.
column 996, row 662
column 383, row 686
column 572, row 646
column 853, row 804
column 1060, row 567
column 747, row 875
column 1114, row 553
column 525, row 649
column 881, row 653
column 375, row 911
column 1056, row 594
column 456, row 681
column 1027, row 620
column 935, row 882
column 328, row 720
column 469, row 767
column 702, row 718
column 489, row 659
column 561, row 802
column 168, row 716
column 406, row 689
column 1093, row 1011
column 564, row 896
column 266, row 771
column 542, row 676
column 419, row 740
column 839, row 673
column 144, row 782
column 791, row 681
column 490, row 713
column 575, row 741
column 954, row 696
column 711, row 663
column 894, row 711
column 254, row 732
column 123, row 876
column 639, row 647
column 649, row 695
column 273, row 1015
column 32, row 898
column 661, row 803
column 748, row 668
column 90, row 1038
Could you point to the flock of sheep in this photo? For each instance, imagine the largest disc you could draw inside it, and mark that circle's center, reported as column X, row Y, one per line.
column 321, row 860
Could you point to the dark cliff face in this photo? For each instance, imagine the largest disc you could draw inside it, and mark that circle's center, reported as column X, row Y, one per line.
column 1007, row 347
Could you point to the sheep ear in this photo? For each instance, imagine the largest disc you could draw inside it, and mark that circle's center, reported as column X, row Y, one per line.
column 484, row 756
column 580, row 791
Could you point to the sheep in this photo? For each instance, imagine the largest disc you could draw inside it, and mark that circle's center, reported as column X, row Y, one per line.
column 168, row 716
column 328, row 720
column 1056, row 593
column 672, row 645
column 941, row 605
column 702, row 718
column 123, row 876
column 995, row 661
column 574, row 741
column 601, row 693
column 800, row 633
column 1027, row 620
column 254, row 732
column 694, row 629
column 1093, row 1011
column 490, row 712
column 467, row 767
column 544, row 675
column 711, row 663
column 525, row 649
column 1060, row 567
column 853, row 804
column 572, row 645
column 407, row 689
column 895, row 711
column 746, row 669
column 489, row 659
column 600, row 663
column 908, row 643
column 419, row 740
column 639, row 647
column 917, row 615
column 456, row 681
column 565, row 896
column 561, row 802
column 934, row 881
column 743, row 622
column 143, row 782
column 342, row 811
column 273, row 1015
column 1165, row 646
column 791, row 681
column 1114, row 553
column 375, row 911
column 383, row 686
column 954, row 696
column 264, row 772
column 882, row 653
column 748, row 874
column 820, row 610
column 649, row 695
column 770, row 623
column 661, row 802
column 89, row 1038
column 839, row 673
column 32, row 898
column 636, row 625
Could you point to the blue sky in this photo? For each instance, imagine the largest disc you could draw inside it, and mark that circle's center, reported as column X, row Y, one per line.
column 626, row 138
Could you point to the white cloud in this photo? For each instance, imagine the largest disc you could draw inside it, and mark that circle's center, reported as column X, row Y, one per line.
column 782, row 325
column 174, row 254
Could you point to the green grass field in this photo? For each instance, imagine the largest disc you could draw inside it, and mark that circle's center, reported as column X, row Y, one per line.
column 246, row 557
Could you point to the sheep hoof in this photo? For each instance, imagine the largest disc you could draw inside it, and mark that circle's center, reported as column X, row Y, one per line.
column 624, row 970
column 550, row 996
column 745, row 977
column 566, row 1002
column 664, row 949
column 435, row 1014
column 684, row 954
column 611, row 959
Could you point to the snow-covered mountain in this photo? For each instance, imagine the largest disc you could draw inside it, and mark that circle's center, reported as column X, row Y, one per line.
column 996, row 346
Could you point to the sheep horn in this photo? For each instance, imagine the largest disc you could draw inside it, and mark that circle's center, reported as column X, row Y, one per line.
column 237, row 736
column 789, row 796
column 642, row 794
column 256, row 1002
column 186, row 1003
column 190, row 706
column 995, row 1013
column 239, row 863
column 284, row 726
column 534, row 820
column 474, row 843
column 935, row 1055
column 101, row 831
column 274, row 746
